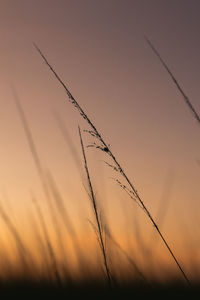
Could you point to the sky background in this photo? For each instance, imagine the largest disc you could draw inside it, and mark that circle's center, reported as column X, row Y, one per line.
column 98, row 49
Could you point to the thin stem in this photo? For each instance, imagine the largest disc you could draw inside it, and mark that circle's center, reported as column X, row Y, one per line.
column 105, row 147
column 95, row 211
column 186, row 99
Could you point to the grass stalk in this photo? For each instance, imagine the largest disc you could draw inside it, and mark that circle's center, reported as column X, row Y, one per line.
column 94, row 204
column 106, row 148
column 185, row 97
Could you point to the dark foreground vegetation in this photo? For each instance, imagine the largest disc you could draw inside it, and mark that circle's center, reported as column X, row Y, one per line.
column 96, row 289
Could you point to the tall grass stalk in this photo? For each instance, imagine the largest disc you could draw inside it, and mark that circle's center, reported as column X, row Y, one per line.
column 96, row 213
column 186, row 99
column 106, row 148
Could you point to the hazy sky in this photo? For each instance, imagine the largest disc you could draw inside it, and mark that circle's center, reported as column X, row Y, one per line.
column 98, row 48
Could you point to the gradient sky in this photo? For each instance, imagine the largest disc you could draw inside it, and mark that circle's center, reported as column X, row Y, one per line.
column 98, row 49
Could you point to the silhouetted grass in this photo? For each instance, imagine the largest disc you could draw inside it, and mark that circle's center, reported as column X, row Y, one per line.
column 60, row 279
column 186, row 99
column 99, row 230
column 103, row 146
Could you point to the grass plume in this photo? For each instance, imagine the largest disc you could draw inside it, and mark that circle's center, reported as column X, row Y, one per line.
column 103, row 146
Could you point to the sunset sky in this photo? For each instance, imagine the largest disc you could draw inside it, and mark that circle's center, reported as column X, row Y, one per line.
column 98, row 49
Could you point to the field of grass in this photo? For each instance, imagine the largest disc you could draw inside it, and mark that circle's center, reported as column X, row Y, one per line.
column 57, row 258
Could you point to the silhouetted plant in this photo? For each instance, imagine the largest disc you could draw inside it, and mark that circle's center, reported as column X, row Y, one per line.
column 186, row 99
column 99, row 229
column 103, row 146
